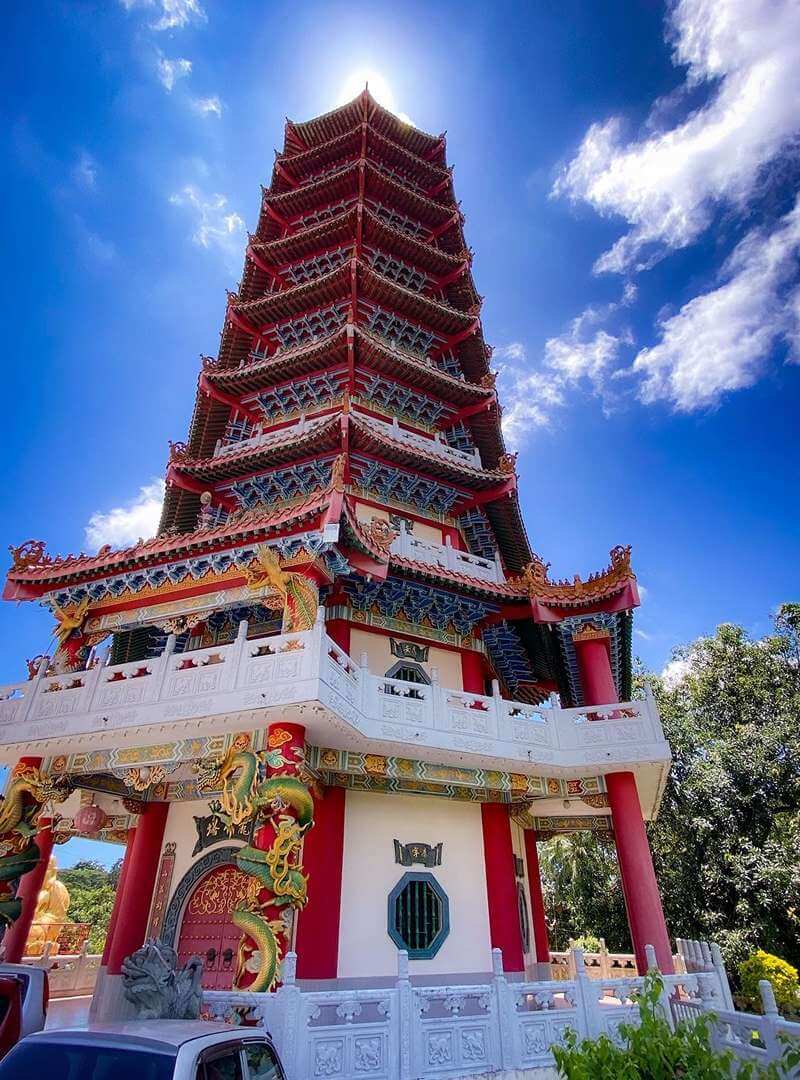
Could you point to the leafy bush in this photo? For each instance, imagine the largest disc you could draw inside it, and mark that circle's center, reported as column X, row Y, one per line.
column 784, row 979
column 587, row 942
column 652, row 1051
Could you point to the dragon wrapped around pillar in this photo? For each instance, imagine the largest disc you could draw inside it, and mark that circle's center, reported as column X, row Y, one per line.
column 280, row 807
column 28, row 790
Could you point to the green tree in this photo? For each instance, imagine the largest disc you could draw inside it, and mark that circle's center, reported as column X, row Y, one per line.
column 582, row 891
column 726, row 839
column 92, row 890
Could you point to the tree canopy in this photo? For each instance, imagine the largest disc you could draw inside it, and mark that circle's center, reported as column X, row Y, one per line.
column 91, row 889
column 726, row 841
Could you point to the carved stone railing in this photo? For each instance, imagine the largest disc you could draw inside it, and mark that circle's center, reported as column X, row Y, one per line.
column 436, row 445
column 445, row 555
column 222, row 685
column 433, row 715
column 266, row 438
column 599, row 965
column 403, row 1031
column 208, row 682
column 68, row 974
column 763, row 1039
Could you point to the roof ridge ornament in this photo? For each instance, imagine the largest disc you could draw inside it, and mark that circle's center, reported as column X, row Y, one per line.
column 535, row 579
column 28, row 554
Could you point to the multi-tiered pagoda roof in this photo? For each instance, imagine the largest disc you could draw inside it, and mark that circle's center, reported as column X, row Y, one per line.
column 353, row 372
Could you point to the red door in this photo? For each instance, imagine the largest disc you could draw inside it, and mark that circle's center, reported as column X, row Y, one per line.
column 207, row 929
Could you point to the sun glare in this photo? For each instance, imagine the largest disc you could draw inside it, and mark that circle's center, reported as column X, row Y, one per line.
column 378, row 86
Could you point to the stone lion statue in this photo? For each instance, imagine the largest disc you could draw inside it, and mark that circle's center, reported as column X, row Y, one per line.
column 156, row 988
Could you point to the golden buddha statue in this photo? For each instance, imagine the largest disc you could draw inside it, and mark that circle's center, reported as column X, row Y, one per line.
column 50, row 914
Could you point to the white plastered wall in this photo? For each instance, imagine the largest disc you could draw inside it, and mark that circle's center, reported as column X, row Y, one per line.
column 380, row 659
column 372, row 822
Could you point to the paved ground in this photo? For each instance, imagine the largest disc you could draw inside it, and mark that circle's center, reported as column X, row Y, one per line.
column 68, row 1012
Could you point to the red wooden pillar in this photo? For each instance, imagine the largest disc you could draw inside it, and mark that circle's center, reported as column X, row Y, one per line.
column 140, row 878
column 501, row 885
column 338, row 630
column 639, row 885
column 16, row 937
column 123, row 874
column 451, row 533
column 472, row 671
column 540, row 938
column 317, row 943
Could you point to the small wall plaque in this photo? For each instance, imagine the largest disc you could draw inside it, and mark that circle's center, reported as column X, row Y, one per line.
column 423, row 854
column 409, row 650
column 213, row 828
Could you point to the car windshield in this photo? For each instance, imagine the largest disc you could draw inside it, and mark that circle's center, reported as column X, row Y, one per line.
column 76, row 1062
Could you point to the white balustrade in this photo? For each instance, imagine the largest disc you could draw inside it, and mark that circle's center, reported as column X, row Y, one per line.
column 403, row 1031
column 221, row 681
column 68, row 973
column 267, row 438
column 408, row 546
column 436, row 445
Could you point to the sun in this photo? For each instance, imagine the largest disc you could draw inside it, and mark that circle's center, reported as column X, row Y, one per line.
column 379, row 87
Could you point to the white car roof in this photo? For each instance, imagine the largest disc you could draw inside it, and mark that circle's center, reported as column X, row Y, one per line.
column 164, row 1035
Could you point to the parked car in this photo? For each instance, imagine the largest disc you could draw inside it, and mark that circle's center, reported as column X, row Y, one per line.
column 24, row 995
column 145, row 1050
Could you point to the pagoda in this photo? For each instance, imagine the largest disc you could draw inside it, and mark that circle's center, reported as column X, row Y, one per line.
column 335, row 703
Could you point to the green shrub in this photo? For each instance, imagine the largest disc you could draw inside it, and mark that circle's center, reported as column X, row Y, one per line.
column 587, row 942
column 652, row 1051
column 784, row 979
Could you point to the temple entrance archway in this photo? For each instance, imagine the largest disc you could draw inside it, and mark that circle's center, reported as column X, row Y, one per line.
column 199, row 919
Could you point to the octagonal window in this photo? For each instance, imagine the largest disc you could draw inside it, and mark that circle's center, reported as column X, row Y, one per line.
column 419, row 915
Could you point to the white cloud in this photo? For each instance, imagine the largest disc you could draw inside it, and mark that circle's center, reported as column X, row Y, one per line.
column 581, row 354
column 528, row 397
column 638, row 632
column 573, row 359
column 125, row 524
column 207, row 106
column 84, row 171
column 666, row 183
column 171, row 14
column 169, row 71
column 721, row 340
column 674, row 672
column 215, row 224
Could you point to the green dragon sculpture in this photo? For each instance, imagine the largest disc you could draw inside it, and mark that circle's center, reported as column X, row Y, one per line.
column 276, row 878
column 27, row 791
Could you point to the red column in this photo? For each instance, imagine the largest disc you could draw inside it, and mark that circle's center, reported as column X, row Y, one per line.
column 541, row 942
column 317, row 942
column 451, row 533
column 16, row 937
column 639, row 885
column 501, row 885
column 338, row 630
column 594, row 665
column 140, row 879
column 472, row 671
column 126, row 862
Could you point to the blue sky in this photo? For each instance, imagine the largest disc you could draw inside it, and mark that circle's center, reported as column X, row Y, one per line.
column 629, row 194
